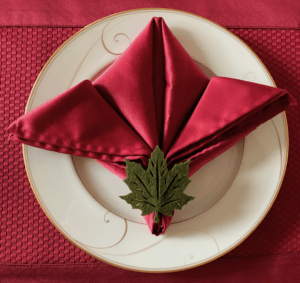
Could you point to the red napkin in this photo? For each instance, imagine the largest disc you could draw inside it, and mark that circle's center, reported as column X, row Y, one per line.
column 153, row 94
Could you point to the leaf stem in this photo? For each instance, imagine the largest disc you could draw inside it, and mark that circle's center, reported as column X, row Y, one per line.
column 156, row 217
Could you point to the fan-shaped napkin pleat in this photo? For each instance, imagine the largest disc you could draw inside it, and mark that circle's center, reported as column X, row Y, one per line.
column 79, row 122
column 185, row 83
column 127, row 85
column 228, row 110
column 156, row 86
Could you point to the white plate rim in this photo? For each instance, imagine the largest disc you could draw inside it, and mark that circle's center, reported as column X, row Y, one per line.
column 122, row 266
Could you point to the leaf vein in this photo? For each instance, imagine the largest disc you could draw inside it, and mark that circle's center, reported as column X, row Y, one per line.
column 170, row 202
column 143, row 184
column 173, row 180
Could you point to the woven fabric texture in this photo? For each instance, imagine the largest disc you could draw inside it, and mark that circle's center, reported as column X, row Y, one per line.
column 26, row 234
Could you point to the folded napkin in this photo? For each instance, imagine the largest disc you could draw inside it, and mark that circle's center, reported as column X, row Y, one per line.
column 153, row 94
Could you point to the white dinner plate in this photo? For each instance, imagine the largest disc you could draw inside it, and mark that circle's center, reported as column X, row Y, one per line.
column 233, row 192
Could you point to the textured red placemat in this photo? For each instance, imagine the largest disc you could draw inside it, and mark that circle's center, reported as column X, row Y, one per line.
column 77, row 13
column 28, row 237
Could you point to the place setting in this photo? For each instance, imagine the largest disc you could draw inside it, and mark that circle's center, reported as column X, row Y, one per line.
column 155, row 140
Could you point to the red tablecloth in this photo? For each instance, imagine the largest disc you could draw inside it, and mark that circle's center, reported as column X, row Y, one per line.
column 30, row 247
column 77, row 13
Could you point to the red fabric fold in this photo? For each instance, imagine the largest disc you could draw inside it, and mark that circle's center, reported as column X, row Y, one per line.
column 160, row 227
column 71, row 123
column 153, row 94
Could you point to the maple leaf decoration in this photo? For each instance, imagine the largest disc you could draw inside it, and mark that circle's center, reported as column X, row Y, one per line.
column 157, row 189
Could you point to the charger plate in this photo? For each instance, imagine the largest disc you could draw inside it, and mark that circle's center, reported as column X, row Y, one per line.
column 233, row 192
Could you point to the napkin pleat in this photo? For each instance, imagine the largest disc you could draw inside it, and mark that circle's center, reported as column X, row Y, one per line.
column 185, row 83
column 201, row 155
column 158, row 75
column 79, row 122
column 225, row 104
column 132, row 98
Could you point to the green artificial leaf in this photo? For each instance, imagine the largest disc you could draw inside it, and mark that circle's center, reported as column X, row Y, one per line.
column 157, row 189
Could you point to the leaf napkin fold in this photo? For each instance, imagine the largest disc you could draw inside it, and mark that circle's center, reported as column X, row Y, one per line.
column 157, row 190
column 153, row 94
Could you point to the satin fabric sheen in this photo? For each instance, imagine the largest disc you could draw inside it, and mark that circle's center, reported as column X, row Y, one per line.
column 153, row 94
